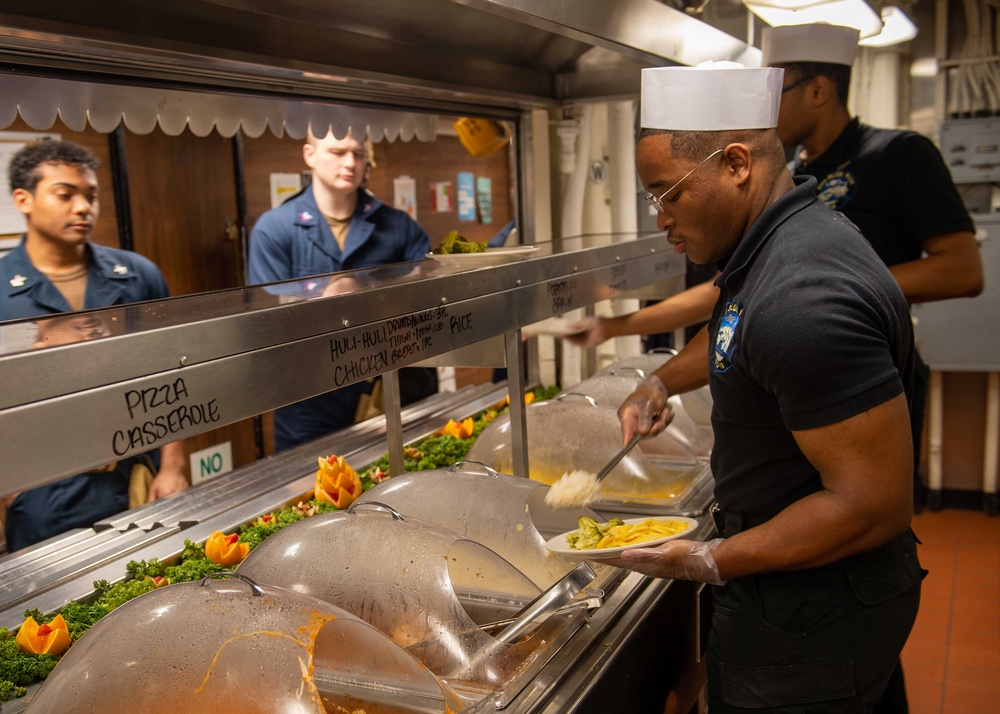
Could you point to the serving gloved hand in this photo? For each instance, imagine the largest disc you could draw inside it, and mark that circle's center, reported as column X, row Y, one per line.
column 674, row 560
column 588, row 332
column 645, row 411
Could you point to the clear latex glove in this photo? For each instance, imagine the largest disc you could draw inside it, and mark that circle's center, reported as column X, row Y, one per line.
column 645, row 411
column 674, row 560
column 588, row 332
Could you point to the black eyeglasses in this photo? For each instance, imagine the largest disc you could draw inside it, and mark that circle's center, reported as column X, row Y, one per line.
column 793, row 85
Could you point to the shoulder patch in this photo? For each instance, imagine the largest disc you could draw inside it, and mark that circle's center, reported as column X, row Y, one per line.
column 725, row 338
column 836, row 189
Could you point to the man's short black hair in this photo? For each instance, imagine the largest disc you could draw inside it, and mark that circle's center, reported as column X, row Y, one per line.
column 696, row 145
column 838, row 74
column 24, row 173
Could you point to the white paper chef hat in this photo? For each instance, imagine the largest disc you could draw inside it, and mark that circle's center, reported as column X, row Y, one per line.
column 714, row 96
column 831, row 44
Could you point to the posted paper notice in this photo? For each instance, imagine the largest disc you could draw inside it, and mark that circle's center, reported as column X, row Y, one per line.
column 404, row 195
column 441, row 194
column 466, row 196
column 283, row 187
column 484, row 199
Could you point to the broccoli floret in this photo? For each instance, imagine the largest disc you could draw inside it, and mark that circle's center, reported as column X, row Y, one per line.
column 9, row 690
column 194, row 569
column 140, row 569
column 590, row 532
column 456, row 243
column 192, row 550
column 35, row 614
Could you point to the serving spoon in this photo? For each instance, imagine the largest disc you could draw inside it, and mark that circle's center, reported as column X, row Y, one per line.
column 617, row 457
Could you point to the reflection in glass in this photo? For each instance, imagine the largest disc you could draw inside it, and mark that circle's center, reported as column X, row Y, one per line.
column 65, row 329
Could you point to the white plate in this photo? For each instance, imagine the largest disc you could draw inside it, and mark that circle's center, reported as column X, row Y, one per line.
column 553, row 326
column 561, row 546
column 492, row 256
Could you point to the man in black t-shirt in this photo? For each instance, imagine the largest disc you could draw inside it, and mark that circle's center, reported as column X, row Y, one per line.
column 892, row 184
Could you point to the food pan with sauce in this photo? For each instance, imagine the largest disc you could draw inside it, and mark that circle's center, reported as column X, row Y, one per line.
column 237, row 646
column 427, row 588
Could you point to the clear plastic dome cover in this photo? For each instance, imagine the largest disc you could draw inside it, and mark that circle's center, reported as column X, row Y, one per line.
column 640, row 365
column 685, row 438
column 504, row 513
column 573, row 433
column 229, row 646
column 427, row 588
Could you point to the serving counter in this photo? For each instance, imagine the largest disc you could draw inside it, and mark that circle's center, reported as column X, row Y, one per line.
column 186, row 365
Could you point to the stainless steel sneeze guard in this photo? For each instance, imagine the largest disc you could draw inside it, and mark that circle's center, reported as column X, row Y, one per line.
column 192, row 364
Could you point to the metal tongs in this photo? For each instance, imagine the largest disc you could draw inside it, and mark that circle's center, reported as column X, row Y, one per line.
column 548, row 603
column 594, row 599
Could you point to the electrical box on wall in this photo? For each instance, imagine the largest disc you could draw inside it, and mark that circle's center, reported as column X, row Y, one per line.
column 971, row 148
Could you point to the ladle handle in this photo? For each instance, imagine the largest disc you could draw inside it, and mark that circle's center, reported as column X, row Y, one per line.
column 489, row 470
column 378, row 505
column 255, row 589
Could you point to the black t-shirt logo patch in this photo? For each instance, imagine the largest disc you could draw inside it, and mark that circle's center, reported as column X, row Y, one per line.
column 725, row 338
column 836, row 189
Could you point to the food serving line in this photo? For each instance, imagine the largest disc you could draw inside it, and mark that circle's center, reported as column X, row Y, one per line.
column 633, row 625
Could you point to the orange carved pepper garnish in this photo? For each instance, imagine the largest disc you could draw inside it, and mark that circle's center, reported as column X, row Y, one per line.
column 224, row 549
column 267, row 519
column 337, row 482
column 529, row 397
column 459, row 431
column 304, row 509
column 52, row 638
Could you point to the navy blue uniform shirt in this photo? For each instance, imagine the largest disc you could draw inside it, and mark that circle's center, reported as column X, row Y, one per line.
column 114, row 277
column 294, row 241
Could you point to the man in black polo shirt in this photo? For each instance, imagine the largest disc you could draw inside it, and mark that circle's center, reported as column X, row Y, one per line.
column 809, row 353
column 892, row 184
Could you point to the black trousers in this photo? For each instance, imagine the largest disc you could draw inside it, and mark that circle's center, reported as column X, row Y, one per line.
column 823, row 640
column 918, row 408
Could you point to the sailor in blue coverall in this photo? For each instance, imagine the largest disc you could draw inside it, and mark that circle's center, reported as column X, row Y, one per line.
column 56, row 269
column 332, row 225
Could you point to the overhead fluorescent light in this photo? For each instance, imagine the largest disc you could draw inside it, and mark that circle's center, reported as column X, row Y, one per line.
column 789, row 4
column 849, row 13
column 896, row 28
